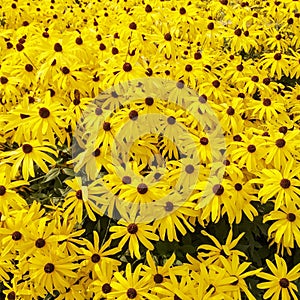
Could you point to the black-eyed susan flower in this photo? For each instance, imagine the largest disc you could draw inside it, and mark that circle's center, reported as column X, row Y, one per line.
column 81, row 197
column 280, row 284
column 237, row 269
column 131, row 285
column 29, row 153
column 214, row 253
column 50, row 271
column 134, row 232
column 284, row 230
column 281, row 184
column 98, row 254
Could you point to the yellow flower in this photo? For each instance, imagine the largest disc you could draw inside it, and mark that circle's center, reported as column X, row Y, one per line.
column 81, row 197
column 281, row 184
column 285, row 231
column 216, row 252
column 278, row 62
column 97, row 254
column 30, row 152
column 131, row 286
column 134, row 232
column 280, row 283
column 50, row 271
column 237, row 269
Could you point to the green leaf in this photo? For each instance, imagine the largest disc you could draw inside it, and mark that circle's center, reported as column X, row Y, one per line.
column 52, row 174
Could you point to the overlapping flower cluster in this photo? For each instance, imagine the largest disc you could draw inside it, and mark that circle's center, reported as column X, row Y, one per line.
column 242, row 58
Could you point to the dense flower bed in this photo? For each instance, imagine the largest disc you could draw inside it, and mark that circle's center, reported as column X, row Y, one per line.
column 57, row 242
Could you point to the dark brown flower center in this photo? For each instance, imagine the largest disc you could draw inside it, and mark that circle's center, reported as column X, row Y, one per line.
column 19, row 47
column 149, row 101
column 106, row 288
column 79, row 41
column 188, row 68
column 16, row 236
column 255, row 78
column 238, row 186
column 238, row 32
column 237, row 138
column 168, row 37
column 226, row 162
column 127, row 67
column 283, row 129
column 98, row 111
column 96, row 153
column 218, row 189
column 133, row 115
column 284, row 283
column 102, row 47
column 65, row 70
column 79, row 194
column 180, row 84
column 95, row 258
column 251, row 148
column 132, row 26
column 132, row 228
column 76, row 101
column 197, row 55
column 224, row 2
column 142, row 188
column 280, row 143
column 291, row 217
column 44, row 112
column 49, row 268
column 202, row 99
column 40, row 243
column 189, row 169
column 169, row 206
column 114, row 51
column 171, row 120
column 27, row 148
column 2, row 190
column 240, row 68
column 29, row 68
column 211, row 26
column 58, row 47
column 204, row 141
column 126, row 180
column 131, row 293
column 285, row 183
column 158, row 278
column 230, row 111
column 216, row 83
column 3, row 80
column 148, row 8
column 182, row 10
column 106, row 126
column 11, row 296
column 277, row 56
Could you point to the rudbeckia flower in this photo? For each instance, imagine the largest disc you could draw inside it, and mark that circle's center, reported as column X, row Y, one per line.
column 50, row 271
column 237, row 269
column 280, row 284
column 135, row 233
column 131, row 285
column 29, row 153
column 215, row 253
column 81, row 197
column 281, row 184
column 284, row 231
column 97, row 254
